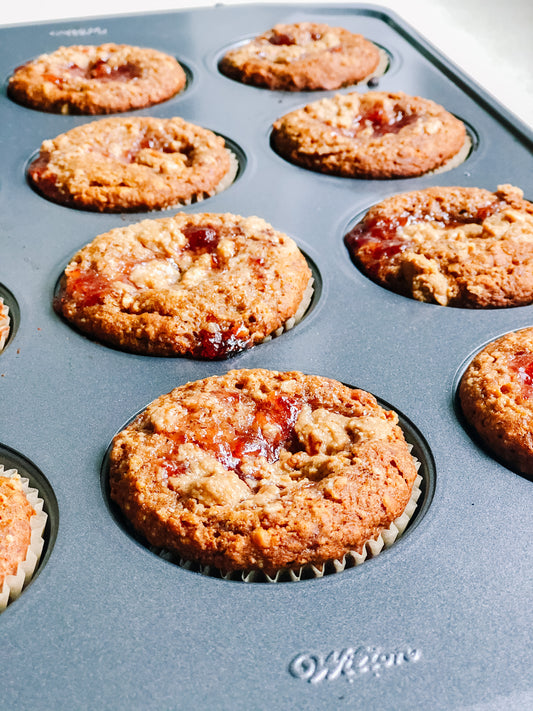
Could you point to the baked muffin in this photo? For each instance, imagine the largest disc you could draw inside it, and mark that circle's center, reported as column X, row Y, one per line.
column 452, row 246
column 496, row 395
column 132, row 164
column 304, row 56
column 4, row 324
column 89, row 79
column 262, row 470
column 203, row 285
column 22, row 523
column 372, row 135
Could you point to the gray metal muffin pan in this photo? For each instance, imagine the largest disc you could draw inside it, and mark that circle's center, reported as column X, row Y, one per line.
column 442, row 620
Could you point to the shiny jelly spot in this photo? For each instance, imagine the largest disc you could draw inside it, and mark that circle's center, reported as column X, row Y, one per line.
column 379, row 238
column 281, row 40
column 173, row 467
column 374, row 240
column 87, row 287
column 103, row 71
column 201, row 238
column 383, row 123
column 54, row 79
column 522, row 364
column 221, row 343
column 147, row 142
column 380, row 121
column 45, row 179
column 100, row 70
column 267, row 428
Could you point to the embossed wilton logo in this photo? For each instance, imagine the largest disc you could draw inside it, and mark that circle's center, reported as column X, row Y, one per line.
column 79, row 32
column 350, row 663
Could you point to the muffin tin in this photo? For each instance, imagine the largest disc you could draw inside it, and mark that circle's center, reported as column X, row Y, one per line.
column 442, row 619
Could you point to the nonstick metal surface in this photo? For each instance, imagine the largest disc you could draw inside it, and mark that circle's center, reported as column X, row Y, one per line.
column 442, row 619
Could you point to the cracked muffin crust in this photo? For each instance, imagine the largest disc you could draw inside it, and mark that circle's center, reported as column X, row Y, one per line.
column 258, row 469
column 453, row 246
column 90, row 79
column 304, row 56
column 496, row 395
column 132, row 164
column 204, row 285
column 371, row 135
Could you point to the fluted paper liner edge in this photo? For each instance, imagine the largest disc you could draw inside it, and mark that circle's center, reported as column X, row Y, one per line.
column 14, row 584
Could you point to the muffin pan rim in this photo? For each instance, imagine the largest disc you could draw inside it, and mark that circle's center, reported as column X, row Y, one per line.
column 368, row 598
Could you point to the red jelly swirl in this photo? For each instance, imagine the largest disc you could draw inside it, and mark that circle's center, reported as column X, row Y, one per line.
column 44, row 178
column 148, row 142
column 522, row 364
column 202, row 239
column 374, row 240
column 377, row 238
column 281, row 40
column 220, row 342
column 380, row 121
column 101, row 70
column 86, row 287
column 268, row 426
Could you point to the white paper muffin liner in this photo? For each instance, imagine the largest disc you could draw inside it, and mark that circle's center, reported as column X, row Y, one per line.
column 298, row 315
column 226, row 181
column 4, row 324
column 460, row 157
column 380, row 70
column 371, row 549
column 14, row 584
column 230, row 176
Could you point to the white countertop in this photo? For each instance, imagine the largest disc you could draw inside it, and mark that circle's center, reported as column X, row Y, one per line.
column 492, row 41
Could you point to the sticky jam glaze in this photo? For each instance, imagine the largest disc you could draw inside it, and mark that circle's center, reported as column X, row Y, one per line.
column 99, row 70
column 218, row 342
column 281, row 39
column 380, row 121
column 202, row 238
column 372, row 241
column 149, row 141
column 45, row 180
column 88, row 287
column 377, row 238
column 522, row 365
column 263, row 431
column 221, row 342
